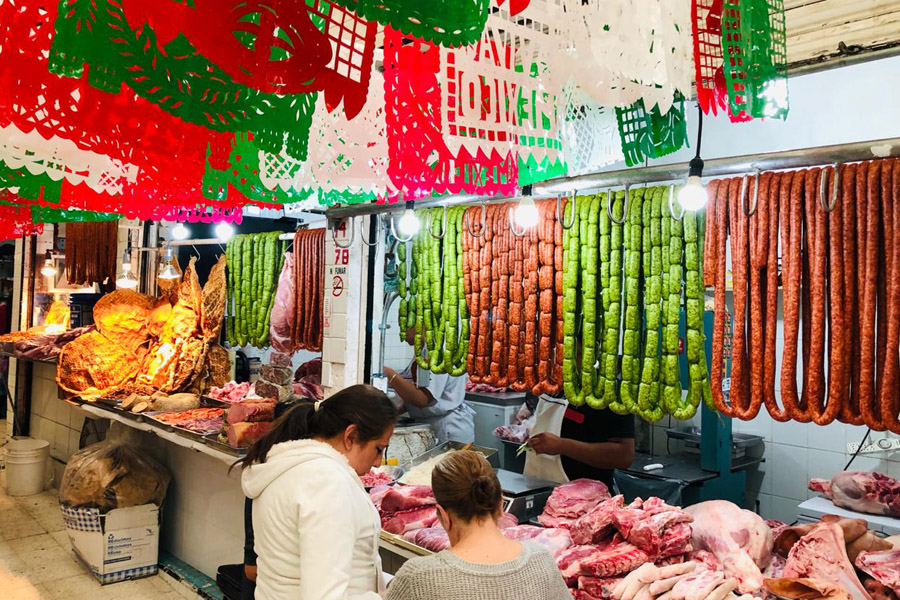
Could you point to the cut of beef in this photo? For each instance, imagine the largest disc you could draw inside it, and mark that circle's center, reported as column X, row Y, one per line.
column 884, row 567
column 572, row 500
column 554, row 541
column 417, row 518
column 521, row 533
column 675, row 540
column 614, row 560
column 738, row 538
column 251, row 411
column 822, row 555
column 645, row 524
column 569, row 562
column 870, row 493
column 597, row 524
column 431, row 538
column 243, row 435
column 599, row 587
column 405, row 497
column 507, row 520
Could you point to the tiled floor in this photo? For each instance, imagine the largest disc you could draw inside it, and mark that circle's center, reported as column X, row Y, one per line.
column 37, row 563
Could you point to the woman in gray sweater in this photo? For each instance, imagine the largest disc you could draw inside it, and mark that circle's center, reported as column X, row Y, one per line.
column 481, row 564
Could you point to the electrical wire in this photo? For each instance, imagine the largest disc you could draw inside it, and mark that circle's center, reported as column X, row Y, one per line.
column 861, row 444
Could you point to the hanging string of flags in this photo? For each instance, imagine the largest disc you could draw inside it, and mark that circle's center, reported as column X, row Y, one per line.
column 155, row 109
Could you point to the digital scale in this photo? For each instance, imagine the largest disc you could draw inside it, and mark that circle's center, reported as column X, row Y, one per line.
column 524, row 496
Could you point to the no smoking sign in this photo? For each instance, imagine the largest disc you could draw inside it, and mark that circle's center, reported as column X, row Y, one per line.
column 337, row 285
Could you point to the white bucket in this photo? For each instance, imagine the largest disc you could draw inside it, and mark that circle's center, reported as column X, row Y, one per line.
column 26, row 466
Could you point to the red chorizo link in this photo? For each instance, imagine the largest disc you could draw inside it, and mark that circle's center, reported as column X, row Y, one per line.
column 710, row 246
column 739, row 229
column 815, row 388
column 722, row 211
column 850, row 412
column 870, row 297
column 762, row 215
column 884, row 268
column 791, row 273
column 757, row 334
column 890, row 399
column 837, row 340
column 779, row 187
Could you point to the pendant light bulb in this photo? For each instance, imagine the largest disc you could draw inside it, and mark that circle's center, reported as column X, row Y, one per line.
column 49, row 268
column 409, row 224
column 180, row 232
column 526, row 213
column 127, row 280
column 168, row 271
column 224, row 232
column 693, row 196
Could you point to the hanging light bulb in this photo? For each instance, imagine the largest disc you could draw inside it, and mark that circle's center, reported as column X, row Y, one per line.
column 526, row 213
column 693, row 196
column 49, row 268
column 409, row 223
column 180, row 232
column 168, row 271
column 127, row 280
column 224, row 232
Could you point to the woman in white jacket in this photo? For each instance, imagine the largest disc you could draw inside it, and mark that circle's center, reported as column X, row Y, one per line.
column 316, row 531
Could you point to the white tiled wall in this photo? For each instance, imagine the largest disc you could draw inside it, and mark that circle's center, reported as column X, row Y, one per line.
column 203, row 517
column 54, row 420
column 397, row 353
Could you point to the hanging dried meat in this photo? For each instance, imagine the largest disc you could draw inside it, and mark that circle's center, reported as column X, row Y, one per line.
column 91, row 252
column 309, row 289
column 143, row 345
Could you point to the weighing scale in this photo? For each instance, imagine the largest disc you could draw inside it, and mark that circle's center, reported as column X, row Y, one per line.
column 524, row 496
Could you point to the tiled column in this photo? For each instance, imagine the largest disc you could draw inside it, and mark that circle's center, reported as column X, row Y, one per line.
column 343, row 343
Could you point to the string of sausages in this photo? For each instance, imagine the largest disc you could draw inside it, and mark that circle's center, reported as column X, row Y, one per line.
column 91, row 250
column 839, row 276
column 309, row 282
column 513, row 291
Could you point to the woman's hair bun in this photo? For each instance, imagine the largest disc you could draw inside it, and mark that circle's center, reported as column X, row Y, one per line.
column 466, row 485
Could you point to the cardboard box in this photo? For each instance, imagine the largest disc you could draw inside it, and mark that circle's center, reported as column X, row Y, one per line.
column 123, row 544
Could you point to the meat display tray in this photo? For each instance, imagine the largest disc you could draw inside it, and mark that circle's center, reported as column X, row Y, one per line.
column 212, row 440
column 207, row 402
column 488, row 453
column 188, row 433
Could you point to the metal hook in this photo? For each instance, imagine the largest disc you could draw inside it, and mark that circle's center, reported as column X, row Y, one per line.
column 512, row 226
column 829, row 207
column 609, row 203
column 443, row 227
column 744, row 193
column 672, row 204
column 560, row 216
column 395, row 234
column 352, row 233
column 377, row 233
column 483, row 222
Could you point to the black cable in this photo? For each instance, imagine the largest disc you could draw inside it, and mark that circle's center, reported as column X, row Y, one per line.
column 699, row 128
column 861, row 444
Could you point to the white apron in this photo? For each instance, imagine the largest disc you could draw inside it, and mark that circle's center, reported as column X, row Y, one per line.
column 549, row 415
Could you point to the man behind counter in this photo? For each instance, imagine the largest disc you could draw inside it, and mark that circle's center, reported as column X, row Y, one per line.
column 588, row 443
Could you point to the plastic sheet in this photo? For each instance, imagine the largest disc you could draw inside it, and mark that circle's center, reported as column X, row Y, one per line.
column 115, row 473
column 346, row 156
column 649, row 134
column 58, row 158
column 96, row 39
column 465, row 119
column 590, row 133
column 620, row 55
column 123, row 127
column 755, row 53
column 445, row 22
